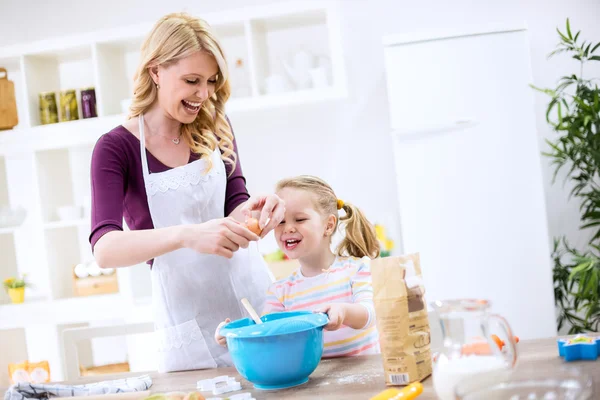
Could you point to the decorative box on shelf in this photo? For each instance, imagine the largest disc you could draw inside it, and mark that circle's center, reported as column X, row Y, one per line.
column 108, row 369
column 90, row 280
column 25, row 371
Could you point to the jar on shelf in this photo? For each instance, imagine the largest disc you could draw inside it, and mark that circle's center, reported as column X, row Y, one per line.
column 48, row 108
column 68, row 105
column 88, row 103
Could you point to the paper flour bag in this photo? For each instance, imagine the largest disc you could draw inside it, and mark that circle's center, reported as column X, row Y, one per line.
column 401, row 318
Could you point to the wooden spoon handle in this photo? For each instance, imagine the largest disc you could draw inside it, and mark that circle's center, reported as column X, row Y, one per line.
column 251, row 310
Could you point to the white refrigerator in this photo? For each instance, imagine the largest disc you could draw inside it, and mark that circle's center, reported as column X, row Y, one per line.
column 468, row 170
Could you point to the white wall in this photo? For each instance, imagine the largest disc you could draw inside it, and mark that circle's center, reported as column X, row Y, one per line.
column 351, row 138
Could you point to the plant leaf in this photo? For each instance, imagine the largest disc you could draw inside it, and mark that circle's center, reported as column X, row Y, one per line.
column 596, row 223
column 563, row 37
column 559, row 111
column 580, row 268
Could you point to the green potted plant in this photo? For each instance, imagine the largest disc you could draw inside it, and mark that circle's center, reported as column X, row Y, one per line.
column 574, row 113
column 16, row 289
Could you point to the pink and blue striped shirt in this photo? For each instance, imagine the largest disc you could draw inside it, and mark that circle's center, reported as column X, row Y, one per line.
column 348, row 280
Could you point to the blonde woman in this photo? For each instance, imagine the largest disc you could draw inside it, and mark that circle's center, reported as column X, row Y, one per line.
column 172, row 172
column 339, row 283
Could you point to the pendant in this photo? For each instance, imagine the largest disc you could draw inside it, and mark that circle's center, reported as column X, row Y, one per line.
column 176, row 140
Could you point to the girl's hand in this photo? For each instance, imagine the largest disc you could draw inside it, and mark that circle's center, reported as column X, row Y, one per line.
column 221, row 339
column 222, row 236
column 336, row 313
column 271, row 208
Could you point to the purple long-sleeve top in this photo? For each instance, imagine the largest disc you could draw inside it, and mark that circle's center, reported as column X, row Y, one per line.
column 118, row 190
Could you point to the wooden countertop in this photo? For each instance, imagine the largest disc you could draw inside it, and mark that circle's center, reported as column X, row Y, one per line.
column 361, row 378
column 357, row 378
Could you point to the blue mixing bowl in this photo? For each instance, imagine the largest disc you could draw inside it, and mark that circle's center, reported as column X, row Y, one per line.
column 279, row 353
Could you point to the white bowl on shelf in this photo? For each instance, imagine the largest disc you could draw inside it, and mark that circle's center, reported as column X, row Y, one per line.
column 10, row 217
column 81, row 271
column 94, row 269
column 68, row 213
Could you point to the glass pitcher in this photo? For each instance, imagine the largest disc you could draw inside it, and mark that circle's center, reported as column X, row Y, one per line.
column 471, row 350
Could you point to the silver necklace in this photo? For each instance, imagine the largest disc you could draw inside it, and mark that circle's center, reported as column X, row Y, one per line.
column 176, row 141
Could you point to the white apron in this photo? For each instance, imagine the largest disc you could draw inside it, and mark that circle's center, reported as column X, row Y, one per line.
column 191, row 292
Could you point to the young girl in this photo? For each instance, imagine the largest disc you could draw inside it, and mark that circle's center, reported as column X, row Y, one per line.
column 338, row 284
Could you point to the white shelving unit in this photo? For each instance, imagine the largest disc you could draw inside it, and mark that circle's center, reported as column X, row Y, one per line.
column 258, row 42
column 44, row 167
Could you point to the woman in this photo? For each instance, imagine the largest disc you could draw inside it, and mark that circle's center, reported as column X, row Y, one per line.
column 172, row 172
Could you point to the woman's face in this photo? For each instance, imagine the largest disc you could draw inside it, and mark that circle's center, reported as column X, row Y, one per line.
column 185, row 85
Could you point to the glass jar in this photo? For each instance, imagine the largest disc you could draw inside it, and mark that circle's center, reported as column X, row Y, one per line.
column 88, row 103
column 68, row 105
column 470, row 349
column 48, row 108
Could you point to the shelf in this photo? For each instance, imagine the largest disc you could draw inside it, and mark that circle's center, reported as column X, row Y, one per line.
column 54, row 71
column 3, row 184
column 276, row 41
column 233, row 40
column 9, row 264
column 295, row 98
column 63, row 254
column 61, row 135
column 257, row 41
column 86, row 132
column 54, row 182
column 69, row 311
column 13, row 347
column 66, row 224
column 116, row 63
column 9, row 230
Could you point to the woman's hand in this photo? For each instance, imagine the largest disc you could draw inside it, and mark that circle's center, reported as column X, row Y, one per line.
column 221, row 339
column 271, row 208
column 222, row 237
column 336, row 313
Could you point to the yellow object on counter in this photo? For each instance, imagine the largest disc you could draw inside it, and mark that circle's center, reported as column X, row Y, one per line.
column 409, row 392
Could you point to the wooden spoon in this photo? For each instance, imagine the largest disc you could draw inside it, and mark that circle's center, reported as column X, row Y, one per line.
column 251, row 311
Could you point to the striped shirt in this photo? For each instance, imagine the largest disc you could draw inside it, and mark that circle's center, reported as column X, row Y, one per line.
column 348, row 280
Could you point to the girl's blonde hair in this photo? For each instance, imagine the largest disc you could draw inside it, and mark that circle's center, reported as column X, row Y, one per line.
column 173, row 37
column 360, row 239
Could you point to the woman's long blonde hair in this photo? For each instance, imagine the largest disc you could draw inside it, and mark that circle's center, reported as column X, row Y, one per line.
column 360, row 239
column 173, row 37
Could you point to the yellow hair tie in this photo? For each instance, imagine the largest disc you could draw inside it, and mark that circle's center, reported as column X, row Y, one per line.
column 340, row 204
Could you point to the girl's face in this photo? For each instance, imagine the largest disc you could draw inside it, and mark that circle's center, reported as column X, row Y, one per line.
column 304, row 231
column 185, row 85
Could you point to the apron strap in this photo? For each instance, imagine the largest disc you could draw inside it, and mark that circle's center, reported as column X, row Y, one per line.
column 143, row 146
